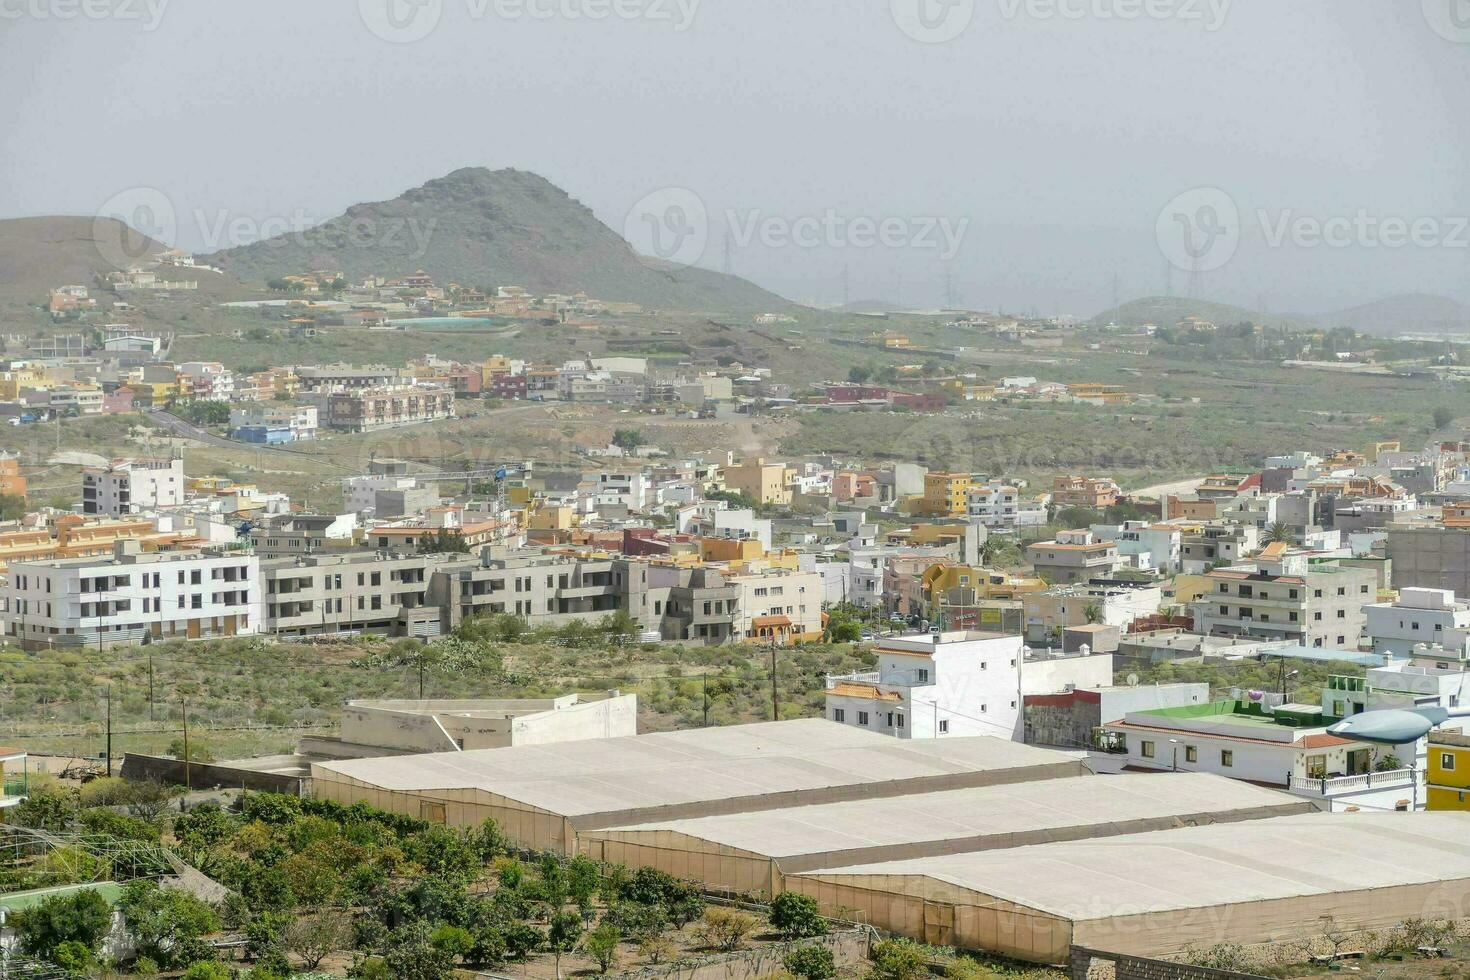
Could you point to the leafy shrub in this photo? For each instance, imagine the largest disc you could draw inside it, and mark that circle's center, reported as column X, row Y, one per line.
column 811, row 963
column 797, row 916
column 75, row 918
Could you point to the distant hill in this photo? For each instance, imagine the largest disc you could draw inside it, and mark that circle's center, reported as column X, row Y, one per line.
column 496, row 228
column 1165, row 311
column 1414, row 313
column 1396, row 315
column 40, row 254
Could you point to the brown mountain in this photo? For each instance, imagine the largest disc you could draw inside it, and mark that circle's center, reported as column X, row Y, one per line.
column 495, row 228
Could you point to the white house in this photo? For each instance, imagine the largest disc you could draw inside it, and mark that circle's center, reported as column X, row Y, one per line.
column 1153, row 547
column 999, row 506
column 932, row 685
column 1285, row 745
column 129, row 486
column 1420, row 617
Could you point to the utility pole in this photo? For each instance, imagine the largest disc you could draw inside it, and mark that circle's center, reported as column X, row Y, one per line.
column 109, row 730
column 775, row 694
column 152, row 705
column 421, row 680
column 188, row 776
column 704, row 679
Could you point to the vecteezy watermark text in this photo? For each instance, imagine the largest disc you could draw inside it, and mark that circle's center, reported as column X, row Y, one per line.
column 938, row 21
column 152, row 217
column 1200, row 229
column 832, row 229
column 673, row 225
column 1363, row 229
column 1209, row 13
column 405, row 21
column 148, row 13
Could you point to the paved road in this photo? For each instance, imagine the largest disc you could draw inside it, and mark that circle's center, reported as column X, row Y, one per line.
column 1158, row 490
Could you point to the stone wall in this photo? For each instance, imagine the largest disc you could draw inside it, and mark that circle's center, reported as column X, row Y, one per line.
column 1092, row 964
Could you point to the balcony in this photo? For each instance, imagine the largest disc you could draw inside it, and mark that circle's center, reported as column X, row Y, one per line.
column 1338, row 785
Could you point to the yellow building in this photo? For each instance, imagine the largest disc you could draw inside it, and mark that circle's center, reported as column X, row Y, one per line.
column 11, row 382
column 928, row 535
column 945, row 494
column 730, row 549
column 763, row 482
column 1448, row 779
column 940, row 580
column 1097, row 394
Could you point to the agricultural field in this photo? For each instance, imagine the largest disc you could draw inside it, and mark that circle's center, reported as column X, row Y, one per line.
column 255, row 696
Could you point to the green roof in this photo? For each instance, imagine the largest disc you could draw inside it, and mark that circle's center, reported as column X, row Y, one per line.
column 16, row 901
column 1242, row 713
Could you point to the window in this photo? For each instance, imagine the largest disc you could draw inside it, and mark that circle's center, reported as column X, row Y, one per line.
column 923, row 675
column 1147, row 748
column 1447, row 761
column 900, row 721
column 944, row 726
column 1191, row 754
column 1227, row 758
column 862, row 717
column 839, row 714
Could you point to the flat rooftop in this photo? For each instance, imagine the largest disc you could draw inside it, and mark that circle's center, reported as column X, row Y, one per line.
column 709, row 765
column 1200, row 867
column 981, row 818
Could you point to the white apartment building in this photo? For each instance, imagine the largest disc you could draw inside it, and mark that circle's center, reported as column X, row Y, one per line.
column 630, row 490
column 778, row 606
column 296, row 422
column 933, row 685
column 717, row 519
column 998, row 506
column 120, row 600
column 1149, row 547
column 1284, row 596
column 360, row 493
column 1420, row 618
column 130, row 486
column 1204, row 546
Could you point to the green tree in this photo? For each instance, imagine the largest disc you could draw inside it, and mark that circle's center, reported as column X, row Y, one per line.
column 1278, row 532
column 602, row 945
column 78, row 917
column 811, row 963
column 562, row 935
column 858, row 374
column 797, row 916
column 445, row 541
column 412, row 955
column 12, row 506
column 1092, row 613
column 628, row 440
column 167, row 925
column 1442, row 418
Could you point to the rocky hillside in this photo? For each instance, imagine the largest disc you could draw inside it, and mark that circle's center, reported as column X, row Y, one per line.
column 495, row 228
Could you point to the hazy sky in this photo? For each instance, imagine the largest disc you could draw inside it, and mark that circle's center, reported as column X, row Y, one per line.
column 1053, row 133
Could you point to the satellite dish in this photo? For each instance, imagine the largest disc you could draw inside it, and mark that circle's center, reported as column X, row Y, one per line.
column 1132, row 680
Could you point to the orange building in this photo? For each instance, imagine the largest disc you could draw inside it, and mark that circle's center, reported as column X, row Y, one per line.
column 74, row 536
column 11, row 482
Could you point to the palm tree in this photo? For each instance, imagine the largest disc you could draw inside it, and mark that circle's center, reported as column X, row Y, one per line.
column 1278, row 532
column 1092, row 614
